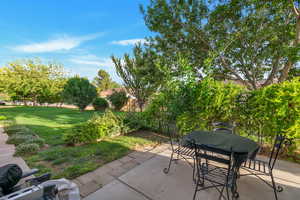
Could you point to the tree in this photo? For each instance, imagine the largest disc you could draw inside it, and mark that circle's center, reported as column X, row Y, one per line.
column 31, row 80
column 80, row 92
column 118, row 99
column 251, row 41
column 138, row 75
column 104, row 82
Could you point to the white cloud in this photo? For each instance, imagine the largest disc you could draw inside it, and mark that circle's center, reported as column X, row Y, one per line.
column 129, row 42
column 89, row 65
column 63, row 42
column 92, row 60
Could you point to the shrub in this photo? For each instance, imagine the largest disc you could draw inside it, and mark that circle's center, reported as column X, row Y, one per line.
column 136, row 121
column 118, row 99
column 100, row 104
column 271, row 110
column 18, row 129
column 36, row 140
column 25, row 149
column 80, row 92
column 2, row 117
column 76, row 135
column 95, row 129
column 17, row 139
column 193, row 104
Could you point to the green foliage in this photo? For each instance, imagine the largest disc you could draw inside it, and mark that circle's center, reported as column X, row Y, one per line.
column 51, row 123
column 140, row 74
column 104, row 82
column 100, row 104
column 194, row 104
column 2, row 117
column 271, row 110
column 245, row 40
column 96, row 129
column 31, row 80
column 118, row 99
column 26, row 149
column 17, row 129
column 136, row 121
column 36, row 140
column 80, row 92
column 18, row 139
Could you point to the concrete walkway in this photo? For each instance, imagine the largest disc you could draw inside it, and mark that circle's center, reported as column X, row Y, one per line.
column 92, row 181
column 7, row 151
column 147, row 182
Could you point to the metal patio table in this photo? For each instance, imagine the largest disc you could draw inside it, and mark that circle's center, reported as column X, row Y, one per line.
column 222, row 143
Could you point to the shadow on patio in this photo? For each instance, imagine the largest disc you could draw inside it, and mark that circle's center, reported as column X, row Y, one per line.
column 148, row 182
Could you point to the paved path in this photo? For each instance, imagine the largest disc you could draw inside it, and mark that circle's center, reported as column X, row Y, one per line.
column 93, row 181
column 7, row 151
column 147, row 182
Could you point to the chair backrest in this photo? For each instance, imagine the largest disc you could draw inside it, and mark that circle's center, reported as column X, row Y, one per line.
column 223, row 126
column 211, row 154
column 277, row 146
column 172, row 133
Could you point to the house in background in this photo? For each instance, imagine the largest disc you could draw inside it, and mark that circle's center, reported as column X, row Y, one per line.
column 131, row 104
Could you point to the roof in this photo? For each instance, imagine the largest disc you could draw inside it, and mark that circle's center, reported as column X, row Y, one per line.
column 109, row 92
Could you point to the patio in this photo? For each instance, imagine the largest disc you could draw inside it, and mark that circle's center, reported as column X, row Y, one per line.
column 148, row 182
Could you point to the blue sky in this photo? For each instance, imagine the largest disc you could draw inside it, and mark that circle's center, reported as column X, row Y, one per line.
column 80, row 34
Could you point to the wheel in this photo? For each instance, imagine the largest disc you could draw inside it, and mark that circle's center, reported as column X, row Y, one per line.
column 279, row 188
column 166, row 170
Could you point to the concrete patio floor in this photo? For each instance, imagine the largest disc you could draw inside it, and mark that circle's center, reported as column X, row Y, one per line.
column 148, row 182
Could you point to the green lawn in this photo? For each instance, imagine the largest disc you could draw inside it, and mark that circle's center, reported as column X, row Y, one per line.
column 65, row 161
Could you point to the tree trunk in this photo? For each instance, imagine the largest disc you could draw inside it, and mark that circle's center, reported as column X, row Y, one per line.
column 286, row 69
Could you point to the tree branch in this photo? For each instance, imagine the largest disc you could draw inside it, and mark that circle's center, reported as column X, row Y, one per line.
column 226, row 66
column 295, row 9
column 273, row 73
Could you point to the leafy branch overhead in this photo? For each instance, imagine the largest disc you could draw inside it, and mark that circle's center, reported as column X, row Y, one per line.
column 253, row 42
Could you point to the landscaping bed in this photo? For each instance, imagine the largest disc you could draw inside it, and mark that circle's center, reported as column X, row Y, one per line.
column 50, row 124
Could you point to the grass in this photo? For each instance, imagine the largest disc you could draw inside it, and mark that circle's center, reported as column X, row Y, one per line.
column 66, row 161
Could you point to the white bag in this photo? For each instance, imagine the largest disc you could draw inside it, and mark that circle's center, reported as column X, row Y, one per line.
column 67, row 190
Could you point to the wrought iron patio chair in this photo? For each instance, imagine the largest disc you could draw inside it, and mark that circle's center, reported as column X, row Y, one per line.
column 260, row 168
column 179, row 149
column 223, row 126
column 220, row 173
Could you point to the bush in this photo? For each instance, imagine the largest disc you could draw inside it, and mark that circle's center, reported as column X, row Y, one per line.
column 36, row 140
column 100, row 104
column 136, row 121
column 76, row 135
column 193, row 104
column 25, row 149
column 2, row 117
column 118, row 99
column 18, row 129
column 17, row 139
column 271, row 110
column 22, row 135
column 95, row 129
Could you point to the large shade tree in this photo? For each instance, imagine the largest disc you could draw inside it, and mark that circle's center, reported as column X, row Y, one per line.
column 31, row 80
column 250, row 41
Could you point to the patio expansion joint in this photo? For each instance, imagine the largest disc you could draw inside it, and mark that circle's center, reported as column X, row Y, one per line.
column 134, row 189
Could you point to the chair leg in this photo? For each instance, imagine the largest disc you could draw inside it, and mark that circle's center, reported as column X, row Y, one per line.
column 194, row 169
column 196, row 188
column 166, row 170
column 274, row 185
